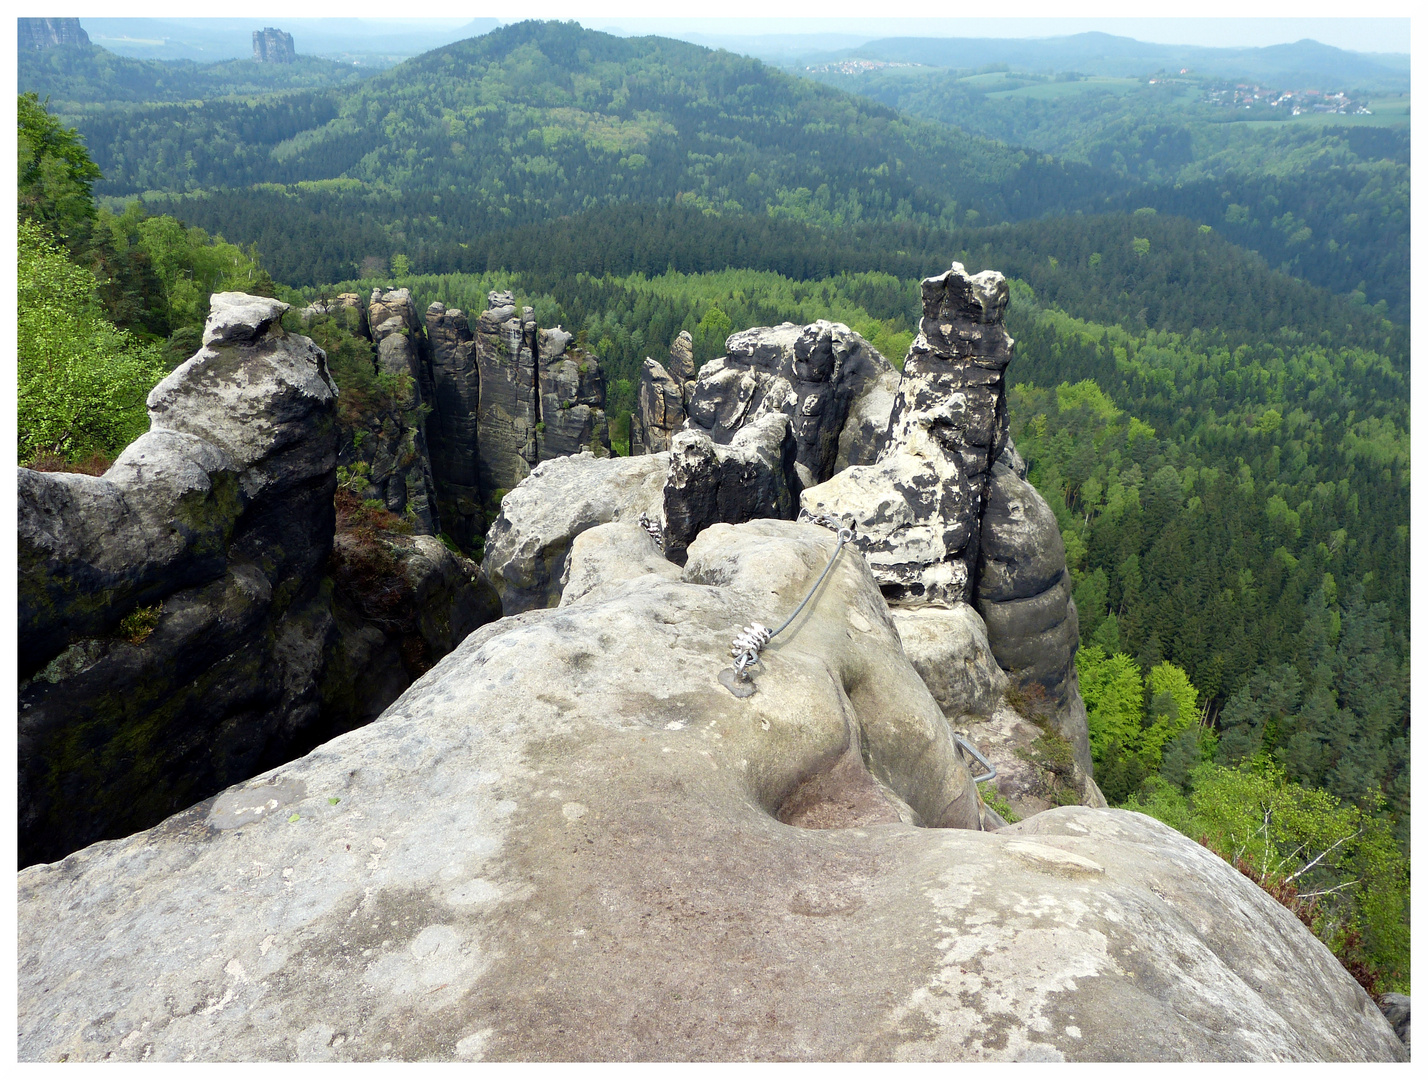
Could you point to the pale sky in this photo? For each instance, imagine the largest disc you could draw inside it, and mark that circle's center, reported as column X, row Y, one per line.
column 1271, row 23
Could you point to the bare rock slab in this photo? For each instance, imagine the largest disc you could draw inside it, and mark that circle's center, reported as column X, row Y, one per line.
column 565, row 843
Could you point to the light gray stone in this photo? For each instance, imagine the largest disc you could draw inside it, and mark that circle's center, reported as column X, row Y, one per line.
column 948, row 647
column 569, row 841
column 527, row 545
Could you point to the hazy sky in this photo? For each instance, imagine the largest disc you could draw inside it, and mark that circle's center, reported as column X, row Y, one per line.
column 1034, row 18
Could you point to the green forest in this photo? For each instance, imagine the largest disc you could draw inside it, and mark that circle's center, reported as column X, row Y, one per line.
column 1210, row 386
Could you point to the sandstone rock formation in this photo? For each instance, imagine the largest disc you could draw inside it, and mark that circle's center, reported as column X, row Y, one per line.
column 271, row 46
column 1023, row 592
column 396, row 468
column 754, row 475
column 528, row 545
column 919, row 509
column 182, row 623
column 568, row 841
column 572, row 399
column 814, row 374
column 50, row 33
column 541, row 397
column 452, row 429
column 948, row 647
column 659, row 410
column 347, row 308
column 209, row 534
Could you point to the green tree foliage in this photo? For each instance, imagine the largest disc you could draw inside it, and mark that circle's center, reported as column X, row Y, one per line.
column 1335, row 863
column 81, row 381
column 55, row 174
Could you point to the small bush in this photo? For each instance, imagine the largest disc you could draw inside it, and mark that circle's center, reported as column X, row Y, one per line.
column 136, row 626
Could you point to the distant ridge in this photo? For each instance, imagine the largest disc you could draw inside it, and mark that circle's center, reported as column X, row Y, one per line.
column 1305, row 62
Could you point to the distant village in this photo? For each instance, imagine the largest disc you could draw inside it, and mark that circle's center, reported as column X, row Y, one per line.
column 857, row 67
column 1296, row 102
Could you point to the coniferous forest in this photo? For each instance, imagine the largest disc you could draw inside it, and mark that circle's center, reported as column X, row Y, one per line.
column 1212, row 324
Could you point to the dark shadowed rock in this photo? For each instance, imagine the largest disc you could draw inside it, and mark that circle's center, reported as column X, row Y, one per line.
column 452, row 428
column 1024, row 594
column 572, row 399
column 813, row 374
column 752, row 476
column 217, row 523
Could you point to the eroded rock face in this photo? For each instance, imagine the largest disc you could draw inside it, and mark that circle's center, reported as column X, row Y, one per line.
column 541, row 397
column 218, row 522
column 814, row 374
column 570, row 816
column 527, row 545
column 506, row 350
column 452, row 428
column 754, row 475
column 572, row 399
column 1024, row 594
column 919, row 508
column 399, row 472
column 948, row 647
column 659, row 410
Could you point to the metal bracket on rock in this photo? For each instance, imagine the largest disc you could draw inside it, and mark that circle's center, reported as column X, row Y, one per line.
column 752, row 639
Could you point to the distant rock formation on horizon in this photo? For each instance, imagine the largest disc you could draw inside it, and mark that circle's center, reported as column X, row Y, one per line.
column 271, row 46
column 49, row 33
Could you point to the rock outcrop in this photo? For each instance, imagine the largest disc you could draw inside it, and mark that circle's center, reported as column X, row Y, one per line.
column 918, row 510
column 1023, row 592
column 453, row 429
column 753, row 475
column 659, row 410
column 271, row 46
column 347, row 308
column 572, row 399
column 568, row 841
column 529, row 543
column 541, row 397
column 170, row 622
column 395, row 467
column 50, row 33
column 814, row 374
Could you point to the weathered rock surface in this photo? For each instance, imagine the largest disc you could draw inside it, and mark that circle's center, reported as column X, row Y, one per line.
column 865, row 431
column 813, row 374
column 918, row 510
column 218, row 522
column 681, row 360
column 752, row 476
column 506, row 348
column 659, row 410
column 1397, row 1009
column 272, row 46
column 1024, row 594
column 347, row 308
column 571, row 818
column 452, row 429
column 50, row 33
column 572, row 399
column 398, row 471
column 1036, row 767
column 527, row 545
column 948, row 647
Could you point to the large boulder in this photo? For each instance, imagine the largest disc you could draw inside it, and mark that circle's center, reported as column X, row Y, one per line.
column 171, row 626
column 527, row 545
column 569, row 841
column 751, row 476
column 948, row 647
column 918, row 510
column 813, row 374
